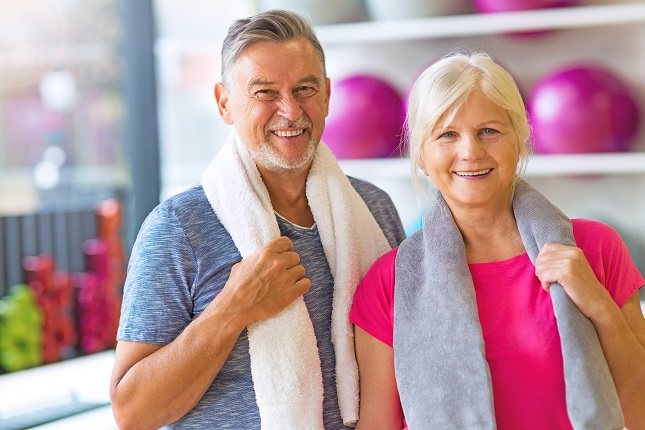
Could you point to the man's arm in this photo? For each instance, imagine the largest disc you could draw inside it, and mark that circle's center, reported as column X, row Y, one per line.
column 155, row 385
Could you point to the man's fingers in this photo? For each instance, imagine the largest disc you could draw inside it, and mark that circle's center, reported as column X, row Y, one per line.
column 297, row 272
column 303, row 284
column 281, row 244
column 290, row 259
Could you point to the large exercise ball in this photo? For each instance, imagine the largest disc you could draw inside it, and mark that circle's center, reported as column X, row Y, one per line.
column 365, row 119
column 582, row 109
column 491, row 6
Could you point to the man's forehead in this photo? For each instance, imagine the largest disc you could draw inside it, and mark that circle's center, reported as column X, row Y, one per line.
column 274, row 66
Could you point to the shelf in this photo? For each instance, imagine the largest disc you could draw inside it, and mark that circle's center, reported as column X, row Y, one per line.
column 538, row 165
column 82, row 379
column 481, row 24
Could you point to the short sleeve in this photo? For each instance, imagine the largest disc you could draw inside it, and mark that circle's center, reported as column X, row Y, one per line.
column 609, row 258
column 373, row 306
column 382, row 208
column 157, row 302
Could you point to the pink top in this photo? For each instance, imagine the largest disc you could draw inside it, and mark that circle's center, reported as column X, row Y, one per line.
column 519, row 328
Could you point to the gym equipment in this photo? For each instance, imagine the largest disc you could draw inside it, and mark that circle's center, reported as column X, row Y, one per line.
column 55, row 297
column 39, row 272
column 65, row 332
column 365, row 119
column 108, row 220
column 20, row 330
column 91, row 313
column 582, row 109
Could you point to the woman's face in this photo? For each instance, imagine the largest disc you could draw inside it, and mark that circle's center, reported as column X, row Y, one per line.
column 473, row 159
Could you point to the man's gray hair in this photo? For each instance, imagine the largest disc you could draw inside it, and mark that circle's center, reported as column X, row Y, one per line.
column 272, row 25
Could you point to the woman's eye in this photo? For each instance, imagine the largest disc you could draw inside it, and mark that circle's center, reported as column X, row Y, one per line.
column 488, row 131
column 447, row 135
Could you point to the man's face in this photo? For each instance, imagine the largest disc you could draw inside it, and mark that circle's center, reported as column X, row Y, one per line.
column 277, row 99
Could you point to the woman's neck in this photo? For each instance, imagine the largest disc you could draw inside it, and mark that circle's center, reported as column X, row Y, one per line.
column 489, row 235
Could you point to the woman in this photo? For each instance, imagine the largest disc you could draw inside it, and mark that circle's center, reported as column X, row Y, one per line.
column 452, row 328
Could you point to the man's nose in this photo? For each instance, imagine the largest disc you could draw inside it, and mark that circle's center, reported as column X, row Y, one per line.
column 289, row 107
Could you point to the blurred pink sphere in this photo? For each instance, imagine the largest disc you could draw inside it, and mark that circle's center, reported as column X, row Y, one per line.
column 582, row 109
column 365, row 119
column 490, row 6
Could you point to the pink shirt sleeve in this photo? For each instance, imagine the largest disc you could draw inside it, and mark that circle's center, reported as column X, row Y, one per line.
column 609, row 258
column 373, row 307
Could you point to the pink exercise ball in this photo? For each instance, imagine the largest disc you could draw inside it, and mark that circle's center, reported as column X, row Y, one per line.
column 365, row 119
column 582, row 109
column 491, row 6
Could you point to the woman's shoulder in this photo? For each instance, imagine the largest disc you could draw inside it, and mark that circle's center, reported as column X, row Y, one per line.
column 384, row 264
column 598, row 240
column 609, row 258
column 588, row 231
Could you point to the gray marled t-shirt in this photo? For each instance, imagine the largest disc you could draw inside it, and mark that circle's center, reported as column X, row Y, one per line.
column 181, row 260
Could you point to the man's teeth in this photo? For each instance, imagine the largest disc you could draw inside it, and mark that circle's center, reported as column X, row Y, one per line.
column 477, row 173
column 288, row 133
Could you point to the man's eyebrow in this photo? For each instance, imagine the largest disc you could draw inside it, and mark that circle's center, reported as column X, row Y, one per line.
column 258, row 82
column 312, row 79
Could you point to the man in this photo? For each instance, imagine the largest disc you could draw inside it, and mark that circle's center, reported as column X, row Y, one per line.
column 235, row 306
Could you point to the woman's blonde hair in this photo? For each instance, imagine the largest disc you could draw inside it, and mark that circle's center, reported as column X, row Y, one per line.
column 444, row 87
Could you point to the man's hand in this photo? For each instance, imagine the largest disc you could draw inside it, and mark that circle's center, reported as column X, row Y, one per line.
column 265, row 282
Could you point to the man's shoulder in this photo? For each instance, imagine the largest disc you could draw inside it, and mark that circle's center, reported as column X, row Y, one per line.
column 186, row 204
column 191, row 209
column 187, row 197
column 369, row 192
column 382, row 208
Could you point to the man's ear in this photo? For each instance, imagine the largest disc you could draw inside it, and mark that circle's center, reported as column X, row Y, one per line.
column 221, row 97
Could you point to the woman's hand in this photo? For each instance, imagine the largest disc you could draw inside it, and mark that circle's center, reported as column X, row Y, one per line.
column 568, row 266
column 621, row 331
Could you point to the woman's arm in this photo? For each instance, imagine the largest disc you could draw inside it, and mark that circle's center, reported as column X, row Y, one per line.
column 621, row 330
column 622, row 337
column 380, row 407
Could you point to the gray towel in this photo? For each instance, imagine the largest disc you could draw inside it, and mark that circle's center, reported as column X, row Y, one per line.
column 439, row 358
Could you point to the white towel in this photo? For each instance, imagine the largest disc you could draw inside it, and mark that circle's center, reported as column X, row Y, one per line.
column 284, row 357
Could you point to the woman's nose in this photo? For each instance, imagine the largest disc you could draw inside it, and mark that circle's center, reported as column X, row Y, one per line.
column 470, row 147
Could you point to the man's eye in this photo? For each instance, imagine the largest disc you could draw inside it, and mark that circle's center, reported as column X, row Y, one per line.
column 305, row 91
column 266, row 95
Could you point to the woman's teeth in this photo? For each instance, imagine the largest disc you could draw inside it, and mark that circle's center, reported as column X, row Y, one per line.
column 476, row 173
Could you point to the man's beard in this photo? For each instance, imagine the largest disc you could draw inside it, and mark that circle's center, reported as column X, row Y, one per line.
column 268, row 157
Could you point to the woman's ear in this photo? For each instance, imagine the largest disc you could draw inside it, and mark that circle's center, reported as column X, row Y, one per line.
column 422, row 165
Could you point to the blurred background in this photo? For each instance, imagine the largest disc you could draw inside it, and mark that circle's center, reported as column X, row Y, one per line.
column 106, row 108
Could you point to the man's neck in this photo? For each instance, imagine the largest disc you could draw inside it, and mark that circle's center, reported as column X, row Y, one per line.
column 287, row 193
